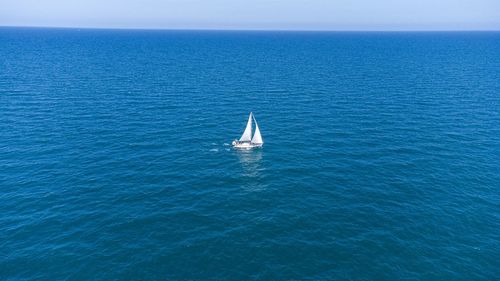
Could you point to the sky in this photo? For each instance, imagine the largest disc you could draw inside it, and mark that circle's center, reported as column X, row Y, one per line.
column 255, row 14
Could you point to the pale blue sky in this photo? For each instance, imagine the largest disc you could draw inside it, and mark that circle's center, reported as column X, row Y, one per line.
column 256, row 14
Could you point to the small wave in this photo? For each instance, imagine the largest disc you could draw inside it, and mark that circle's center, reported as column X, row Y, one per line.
column 214, row 149
column 226, row 144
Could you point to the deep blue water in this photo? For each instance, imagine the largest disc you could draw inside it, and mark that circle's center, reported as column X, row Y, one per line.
column 381, row 161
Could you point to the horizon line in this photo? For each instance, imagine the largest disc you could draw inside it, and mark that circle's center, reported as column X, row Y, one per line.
column 247, row 29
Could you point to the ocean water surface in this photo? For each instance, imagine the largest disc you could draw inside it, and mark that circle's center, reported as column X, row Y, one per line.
column 381, row 158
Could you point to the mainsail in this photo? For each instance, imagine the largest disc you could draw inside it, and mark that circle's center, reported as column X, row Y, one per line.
column 257, row 138
column 247, row 134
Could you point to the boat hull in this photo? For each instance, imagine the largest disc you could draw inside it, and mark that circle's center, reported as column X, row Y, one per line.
column 246, row 145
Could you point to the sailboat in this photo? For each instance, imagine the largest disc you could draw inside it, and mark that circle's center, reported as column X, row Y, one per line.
column 246, row 140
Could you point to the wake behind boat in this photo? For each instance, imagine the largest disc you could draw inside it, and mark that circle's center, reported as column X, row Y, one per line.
column 247, row 141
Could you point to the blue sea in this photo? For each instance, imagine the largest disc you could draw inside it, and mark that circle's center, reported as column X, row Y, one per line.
column 381, row 158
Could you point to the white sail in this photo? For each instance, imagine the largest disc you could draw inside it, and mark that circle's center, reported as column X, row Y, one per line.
column 257, row 138
column 247, row 134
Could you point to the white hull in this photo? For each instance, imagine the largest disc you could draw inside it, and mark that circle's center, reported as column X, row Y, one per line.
column 245, row 145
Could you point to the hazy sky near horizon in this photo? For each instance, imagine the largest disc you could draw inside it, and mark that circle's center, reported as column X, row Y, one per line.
column 256, row 14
